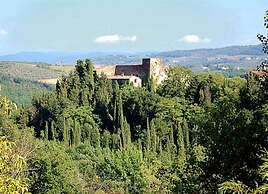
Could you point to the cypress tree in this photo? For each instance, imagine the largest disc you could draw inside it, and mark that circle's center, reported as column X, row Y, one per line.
column 114, row 141
column 98, row 137
column 46, row 131
column 120, row 144
column 89, row 79
column 120, row 113
column 77, row 133
column 116, row 111
column 186, row 134
column 106, row 138
column 148, row 135
column 88, row 133
column 115, row 117
column 172, row 136
column 160, row 146
column 53, row 130
column 65, row 132
column 168, row 148
column 95, row 137
column 140, row 148
column 126, row 134
column 122, row 123
column 181, row 149
column 154, row 137
column 90, row 69
column 71, row 134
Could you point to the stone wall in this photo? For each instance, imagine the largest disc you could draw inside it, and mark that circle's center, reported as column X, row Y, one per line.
column 150, row 68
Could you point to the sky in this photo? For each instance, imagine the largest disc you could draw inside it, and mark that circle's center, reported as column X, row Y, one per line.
column 128, row 25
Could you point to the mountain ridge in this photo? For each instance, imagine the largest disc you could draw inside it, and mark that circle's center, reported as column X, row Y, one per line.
column 71, row 57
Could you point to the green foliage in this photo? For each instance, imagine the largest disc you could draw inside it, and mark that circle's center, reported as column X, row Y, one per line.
column 177, row 83
column 53, row 170
column 124, row 171
column 193, row 133
column 20, row 90
column 12, row 169
column 238, row 187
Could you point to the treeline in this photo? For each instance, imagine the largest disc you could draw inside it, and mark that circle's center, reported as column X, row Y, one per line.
column 197, row 133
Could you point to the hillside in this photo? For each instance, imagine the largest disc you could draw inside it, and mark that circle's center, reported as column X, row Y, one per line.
column 230, row 51
column 239, row 56
column 28, row 78
column 20, row 90
column 21, row 81
column 32, row 71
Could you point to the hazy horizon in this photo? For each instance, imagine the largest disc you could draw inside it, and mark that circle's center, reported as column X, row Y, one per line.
column 120, row 51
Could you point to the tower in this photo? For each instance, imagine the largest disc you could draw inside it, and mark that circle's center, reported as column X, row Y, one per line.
column 152, row 67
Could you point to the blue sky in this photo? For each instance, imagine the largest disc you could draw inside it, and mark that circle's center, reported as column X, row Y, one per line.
column 128, row 25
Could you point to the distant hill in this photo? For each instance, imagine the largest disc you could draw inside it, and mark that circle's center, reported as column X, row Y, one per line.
column 59, row 57
column 184, row 57
column 230, row 51
column 245, row 57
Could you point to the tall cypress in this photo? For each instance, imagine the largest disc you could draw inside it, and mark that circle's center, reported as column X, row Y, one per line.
column 89, row 79
column 126, row 134
column 65, row 132
column 148, row 134
column 97, row 141
column 53, row 130
column 181, row 148
column 160, row 146
column 106, row 138
column 46, row 131
column 116, row 105
column 88, row 133
column 71, row 134
column 186, row 134
column 153, row 137
column 122, row 123
column 77, row 133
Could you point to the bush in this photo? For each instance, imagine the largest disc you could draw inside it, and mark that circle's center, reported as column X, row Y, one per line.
column 53, row 170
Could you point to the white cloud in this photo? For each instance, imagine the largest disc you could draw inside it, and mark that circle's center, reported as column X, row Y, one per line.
column 114, row 38
column 194, row 39
column 3, row 32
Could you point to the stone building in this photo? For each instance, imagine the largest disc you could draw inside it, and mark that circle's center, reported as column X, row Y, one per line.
column 262, row 71
column 151, row 68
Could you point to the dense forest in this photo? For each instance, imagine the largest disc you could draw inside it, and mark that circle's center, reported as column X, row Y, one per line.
column 195, row 133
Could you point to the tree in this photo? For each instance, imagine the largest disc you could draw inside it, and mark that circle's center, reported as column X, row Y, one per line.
column 12, row 169
column 53, row 170
column 240, row 188
column 263, row 38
